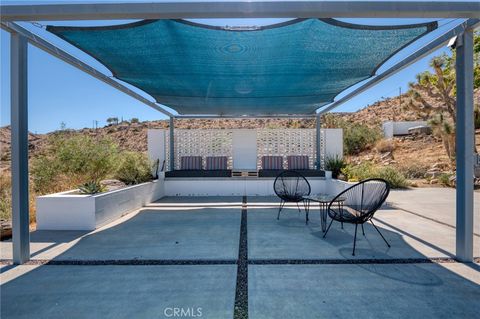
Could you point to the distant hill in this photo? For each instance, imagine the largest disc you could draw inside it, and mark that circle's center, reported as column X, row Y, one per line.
column 133, row 136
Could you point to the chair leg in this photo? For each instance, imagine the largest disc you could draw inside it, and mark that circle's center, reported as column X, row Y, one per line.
column 355, row 240
column 306, row 206
column 282, row 203
column 328, row 228
column 298, row 206
column 363, row 230
column 378, row 230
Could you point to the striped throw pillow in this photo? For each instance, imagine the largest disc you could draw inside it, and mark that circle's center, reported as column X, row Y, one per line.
column 297, row 162
column 191, row 162
column 272, row 162
column 216, row 163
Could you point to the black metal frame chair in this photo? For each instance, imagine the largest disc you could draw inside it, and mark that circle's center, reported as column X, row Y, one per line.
column 361, row 202
column 291, row 186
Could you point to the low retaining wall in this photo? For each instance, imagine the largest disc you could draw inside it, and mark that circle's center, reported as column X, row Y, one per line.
column 68, row 211
column 231, row 186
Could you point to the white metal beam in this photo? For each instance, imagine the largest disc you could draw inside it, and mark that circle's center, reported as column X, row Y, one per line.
column 19, row 144
column 242, row 9
column 68, row 58
column 433, row 45
column 465, row 139
column 239, row 117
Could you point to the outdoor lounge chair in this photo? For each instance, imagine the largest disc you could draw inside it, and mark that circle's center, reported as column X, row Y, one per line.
column 359, row 203
column 291, row 186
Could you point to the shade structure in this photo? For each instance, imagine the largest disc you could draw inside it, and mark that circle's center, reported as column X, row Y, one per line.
column 288, row 68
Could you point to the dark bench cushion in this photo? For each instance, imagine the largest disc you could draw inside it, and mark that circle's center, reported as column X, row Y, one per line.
column 297, row 162
column 199, row 173
column 272, row 163
column 304, row 172
column 217, row 163
column 191, row 162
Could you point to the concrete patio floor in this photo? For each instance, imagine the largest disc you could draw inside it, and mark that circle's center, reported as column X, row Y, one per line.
column 187, row 253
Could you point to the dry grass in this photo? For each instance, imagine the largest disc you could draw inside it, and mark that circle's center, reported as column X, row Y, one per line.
column 6, row 198
column 385, row 146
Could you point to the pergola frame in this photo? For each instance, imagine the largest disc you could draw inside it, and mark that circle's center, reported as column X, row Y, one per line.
column 20, row 37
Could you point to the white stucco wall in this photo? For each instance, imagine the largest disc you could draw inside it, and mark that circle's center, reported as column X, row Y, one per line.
column 156, row 146
column 391, row 129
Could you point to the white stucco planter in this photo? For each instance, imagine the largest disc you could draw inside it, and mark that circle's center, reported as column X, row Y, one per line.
column 69, row 211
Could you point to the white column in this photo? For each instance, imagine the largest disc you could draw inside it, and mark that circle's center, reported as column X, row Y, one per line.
column 318, row 150
column 19, row 143
column 465, row 135
column 172, row 144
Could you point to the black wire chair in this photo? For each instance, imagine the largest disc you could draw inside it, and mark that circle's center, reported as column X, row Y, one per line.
column 291, row 186
column 359, row 203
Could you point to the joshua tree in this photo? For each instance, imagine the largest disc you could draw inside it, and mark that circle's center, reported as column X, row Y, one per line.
column 432, row 96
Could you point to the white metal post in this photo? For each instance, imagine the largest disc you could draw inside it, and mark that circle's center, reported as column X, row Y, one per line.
column 172, row 144
column 318, row 160
column 465, row 135
column 19, row 144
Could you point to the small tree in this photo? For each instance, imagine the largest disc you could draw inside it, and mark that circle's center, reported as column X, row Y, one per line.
column 432, row 96
column 134, row 120
column 112, row 120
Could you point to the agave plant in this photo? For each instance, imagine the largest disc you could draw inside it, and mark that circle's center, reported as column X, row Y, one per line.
column 334, row 164
column 92, row 187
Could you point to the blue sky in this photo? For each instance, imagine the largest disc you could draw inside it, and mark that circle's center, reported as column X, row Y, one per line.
column 60, row 93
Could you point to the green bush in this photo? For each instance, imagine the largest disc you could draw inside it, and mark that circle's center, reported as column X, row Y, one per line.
column 367, row 170
column 359, row 137
column 73, row 160
column 134, row 168
column 413, row 170
column 444, row 179
column 334, row 164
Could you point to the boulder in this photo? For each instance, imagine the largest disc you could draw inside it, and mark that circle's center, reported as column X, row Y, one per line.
column 420, row 130
column 433, row 173
column 5, row 229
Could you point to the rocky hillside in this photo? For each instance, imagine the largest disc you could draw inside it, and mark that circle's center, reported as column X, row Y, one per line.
column 132, row 136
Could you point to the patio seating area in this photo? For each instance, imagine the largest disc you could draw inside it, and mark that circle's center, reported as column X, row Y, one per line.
column 160, row 249
column 227, row 254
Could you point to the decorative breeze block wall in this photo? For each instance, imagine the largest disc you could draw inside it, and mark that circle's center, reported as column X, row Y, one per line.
column 218, row 142
column 200, row 143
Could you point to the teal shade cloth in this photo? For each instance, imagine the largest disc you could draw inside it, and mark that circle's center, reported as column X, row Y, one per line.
column 289, row 68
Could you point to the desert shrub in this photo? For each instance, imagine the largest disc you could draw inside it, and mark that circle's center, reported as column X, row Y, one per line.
column 5, row 197
column 413, row 170
column 359, row 137
column 134, row 168
column 367, row 170
column 72, row 160
column 444, row 179
column 395, row 178
column 334, row 164
column 385, row 146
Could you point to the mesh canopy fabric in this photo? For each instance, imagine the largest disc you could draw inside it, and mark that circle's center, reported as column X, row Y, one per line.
column 289, row 68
